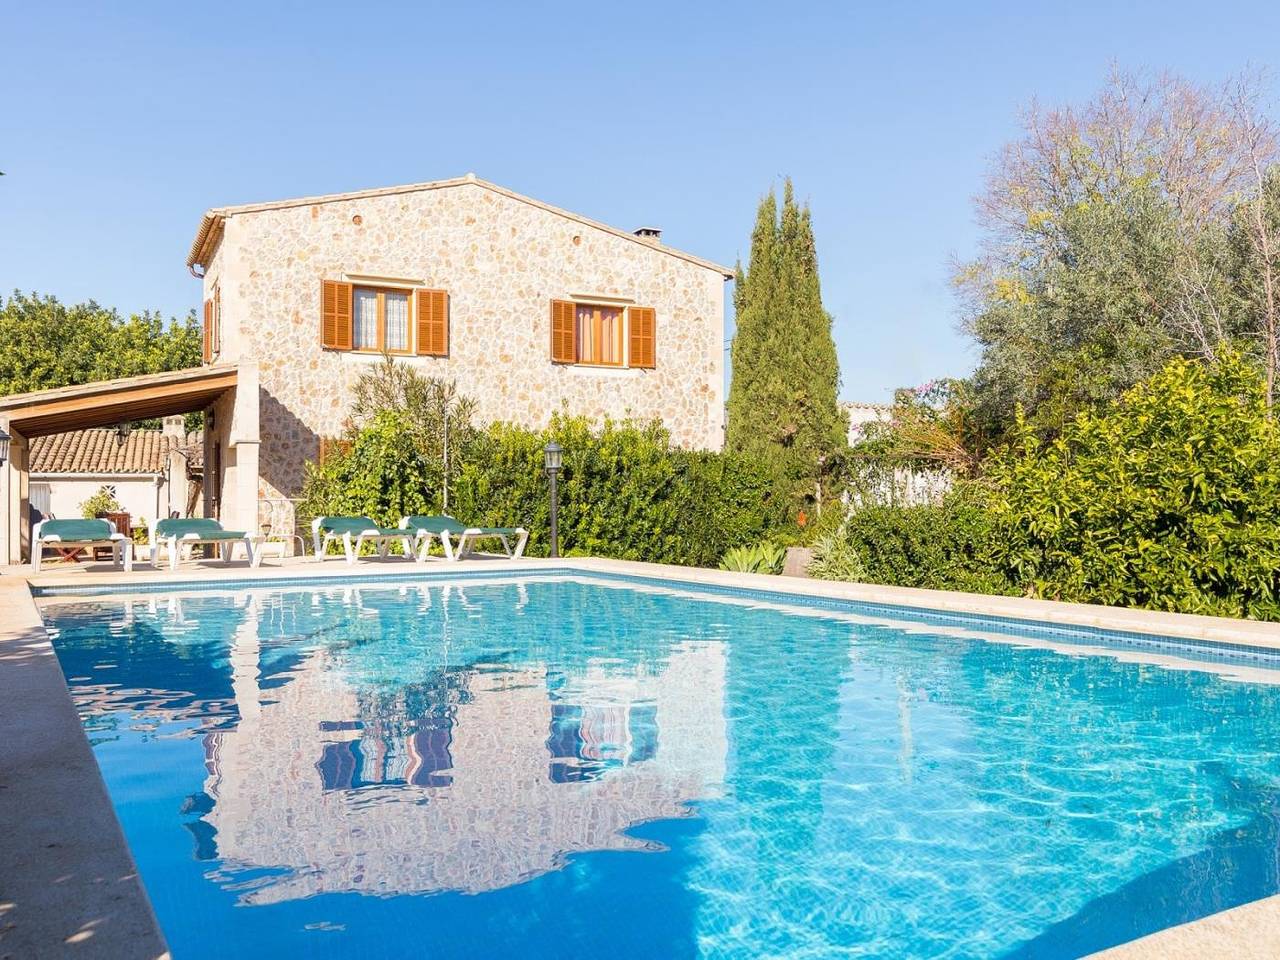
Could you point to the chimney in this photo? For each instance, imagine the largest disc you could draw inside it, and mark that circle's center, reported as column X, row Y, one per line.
column 175, row 427
column 651, row 235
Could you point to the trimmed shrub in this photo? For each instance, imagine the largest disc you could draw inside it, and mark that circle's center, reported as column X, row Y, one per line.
column 1168, row 499
column 625, row 491
column 951, row 546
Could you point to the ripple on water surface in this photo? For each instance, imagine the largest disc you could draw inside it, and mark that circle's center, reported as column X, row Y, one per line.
column 559, row 767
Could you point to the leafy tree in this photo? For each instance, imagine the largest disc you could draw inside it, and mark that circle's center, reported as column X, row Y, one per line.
column 1106, row 246
column 783, row 408
column 382, row 475
column 931, row 427
column 1169, row 499
column 437, row 418
column 44, row 343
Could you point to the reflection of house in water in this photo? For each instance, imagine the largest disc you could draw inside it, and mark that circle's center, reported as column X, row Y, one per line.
column 489, row 776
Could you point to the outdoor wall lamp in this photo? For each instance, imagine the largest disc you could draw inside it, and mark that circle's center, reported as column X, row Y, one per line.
column 552, row 454
column 4, row 446
column 123, row 429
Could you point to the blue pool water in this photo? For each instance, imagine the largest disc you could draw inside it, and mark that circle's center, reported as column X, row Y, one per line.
column 559, row 767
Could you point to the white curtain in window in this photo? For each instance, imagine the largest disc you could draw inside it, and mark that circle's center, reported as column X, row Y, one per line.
column 364, row 334
column 397, row 321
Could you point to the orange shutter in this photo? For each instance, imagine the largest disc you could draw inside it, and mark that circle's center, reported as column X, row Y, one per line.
column 564, row 332
column 643, row 328
column 433, row 323
column 207, row 354
column 335, row 315
column 215, row 340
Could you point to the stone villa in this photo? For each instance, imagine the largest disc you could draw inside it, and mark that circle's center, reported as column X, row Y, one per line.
column 528, row 308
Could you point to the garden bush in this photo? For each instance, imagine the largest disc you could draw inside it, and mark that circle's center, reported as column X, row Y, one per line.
column 950, row 546
column 625, row 491
column 382, row 475
column 1168, row 499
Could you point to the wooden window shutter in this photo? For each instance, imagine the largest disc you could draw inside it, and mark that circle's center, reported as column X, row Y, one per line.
column 207, row 353
column 643, row 328
column 335, row 315
column 564, row 332
column 215, row 340
column 433, row 323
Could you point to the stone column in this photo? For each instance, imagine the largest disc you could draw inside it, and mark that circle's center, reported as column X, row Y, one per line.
column 14, row 491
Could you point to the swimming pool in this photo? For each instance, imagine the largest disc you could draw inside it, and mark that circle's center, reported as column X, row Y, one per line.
column 579, row 765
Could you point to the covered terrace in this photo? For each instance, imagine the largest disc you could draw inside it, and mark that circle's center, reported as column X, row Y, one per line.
column 226, row 393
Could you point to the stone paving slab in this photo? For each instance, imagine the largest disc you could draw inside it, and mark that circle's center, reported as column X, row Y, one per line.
column 68, row 884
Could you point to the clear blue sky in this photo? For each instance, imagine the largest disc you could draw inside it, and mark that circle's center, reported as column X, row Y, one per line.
column 121, row 126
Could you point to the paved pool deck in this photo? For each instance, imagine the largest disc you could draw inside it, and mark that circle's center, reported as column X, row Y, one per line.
column 68, row 883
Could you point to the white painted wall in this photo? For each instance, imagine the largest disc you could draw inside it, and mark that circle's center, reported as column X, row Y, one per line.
column 139, row 494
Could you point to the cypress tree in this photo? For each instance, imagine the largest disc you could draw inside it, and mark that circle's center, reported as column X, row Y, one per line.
column 783, row 408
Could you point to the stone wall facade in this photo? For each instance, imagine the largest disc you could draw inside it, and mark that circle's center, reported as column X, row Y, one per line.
column 502, row 259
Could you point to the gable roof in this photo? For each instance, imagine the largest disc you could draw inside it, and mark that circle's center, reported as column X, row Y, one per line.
column 143, row 452
column 211, row 223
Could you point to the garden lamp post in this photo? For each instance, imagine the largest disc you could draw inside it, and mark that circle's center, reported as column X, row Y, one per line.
column 551, row 461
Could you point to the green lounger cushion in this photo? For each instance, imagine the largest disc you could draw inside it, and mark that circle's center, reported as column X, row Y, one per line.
column 356, row 526
column 447, row 524
column 79, row 530
column 201, row 528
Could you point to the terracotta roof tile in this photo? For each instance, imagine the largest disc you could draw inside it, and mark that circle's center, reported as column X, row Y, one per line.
column 101, row 451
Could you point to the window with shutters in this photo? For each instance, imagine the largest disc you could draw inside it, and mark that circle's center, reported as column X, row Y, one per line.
column 602, row 335
column 394, row 320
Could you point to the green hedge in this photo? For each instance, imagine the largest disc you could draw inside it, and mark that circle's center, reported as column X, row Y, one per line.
column 953, row 546
column 625, row 491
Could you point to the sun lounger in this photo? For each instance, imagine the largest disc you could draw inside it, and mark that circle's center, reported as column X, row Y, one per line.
column 174, row 534
column 81, row 533
column 355, row 532
column 446, row 528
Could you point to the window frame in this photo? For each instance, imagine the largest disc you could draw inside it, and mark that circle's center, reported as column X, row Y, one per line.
column 381, row 322
column 624, row 329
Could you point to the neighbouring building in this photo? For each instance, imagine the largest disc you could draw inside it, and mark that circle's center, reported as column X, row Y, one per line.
column 528, row 308
column 148, row 472
column 907, row 487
